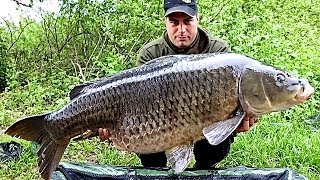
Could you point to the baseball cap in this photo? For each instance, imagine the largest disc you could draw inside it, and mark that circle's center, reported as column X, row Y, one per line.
column 186, row 6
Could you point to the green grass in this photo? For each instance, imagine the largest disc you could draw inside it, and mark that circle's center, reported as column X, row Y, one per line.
column 282, row 33
column 277, row 142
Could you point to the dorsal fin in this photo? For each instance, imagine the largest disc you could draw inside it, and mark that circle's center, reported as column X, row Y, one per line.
column 77, row 90
column 81, row 88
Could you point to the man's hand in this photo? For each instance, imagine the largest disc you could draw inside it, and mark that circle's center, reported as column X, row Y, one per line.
column 104, row 134
column 246, row 123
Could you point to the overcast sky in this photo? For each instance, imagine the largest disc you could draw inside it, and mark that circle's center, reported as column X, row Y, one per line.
column 8, row 9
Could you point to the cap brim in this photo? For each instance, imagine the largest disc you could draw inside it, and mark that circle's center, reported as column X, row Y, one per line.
column 184, row 9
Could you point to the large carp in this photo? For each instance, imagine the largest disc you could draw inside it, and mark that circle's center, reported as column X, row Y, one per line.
column 165, row 105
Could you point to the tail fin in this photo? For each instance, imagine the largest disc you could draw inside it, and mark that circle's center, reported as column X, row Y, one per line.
column 30, row 128
column 50, row 152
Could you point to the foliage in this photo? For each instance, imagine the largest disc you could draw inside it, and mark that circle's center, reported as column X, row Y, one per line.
column 81, row 40
column 3, row 81
column 91, row 39
column 3, row 67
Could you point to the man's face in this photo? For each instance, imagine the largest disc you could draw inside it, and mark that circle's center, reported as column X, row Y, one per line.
column 182, row 29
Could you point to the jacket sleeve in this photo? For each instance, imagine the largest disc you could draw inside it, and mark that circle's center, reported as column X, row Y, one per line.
column 218, row 45
column 150, row 51
column 144, row 56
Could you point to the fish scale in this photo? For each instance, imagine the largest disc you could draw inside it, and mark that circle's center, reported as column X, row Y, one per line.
column 181, row 106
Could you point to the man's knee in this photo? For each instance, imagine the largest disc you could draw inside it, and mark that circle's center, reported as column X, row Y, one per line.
column 207, row 155
column 153, row 160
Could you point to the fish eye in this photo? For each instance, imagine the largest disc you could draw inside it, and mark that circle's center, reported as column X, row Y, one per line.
column 281, row 78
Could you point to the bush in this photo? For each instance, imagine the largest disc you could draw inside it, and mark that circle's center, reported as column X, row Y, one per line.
column 89, row 39
column 3, row 68
column 3, row 81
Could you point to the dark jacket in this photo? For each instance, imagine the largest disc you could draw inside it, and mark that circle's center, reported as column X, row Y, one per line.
column 204, row 43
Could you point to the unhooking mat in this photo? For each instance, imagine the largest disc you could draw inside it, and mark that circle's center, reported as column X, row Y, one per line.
column 78, row 171
column 75, row 171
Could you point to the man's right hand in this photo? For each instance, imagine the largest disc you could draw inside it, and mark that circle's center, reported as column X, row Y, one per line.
column 104, row 134
column 246, row 124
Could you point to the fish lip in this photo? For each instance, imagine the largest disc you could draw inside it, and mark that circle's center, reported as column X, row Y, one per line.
column 305, row 92
column 300, row 99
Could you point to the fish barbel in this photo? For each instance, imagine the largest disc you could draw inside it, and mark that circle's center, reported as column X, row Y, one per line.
column 165, row 105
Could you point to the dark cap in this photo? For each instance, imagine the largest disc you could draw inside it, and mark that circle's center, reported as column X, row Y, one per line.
column 186, row 6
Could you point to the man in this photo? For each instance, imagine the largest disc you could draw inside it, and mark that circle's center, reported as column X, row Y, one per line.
column 183, row 36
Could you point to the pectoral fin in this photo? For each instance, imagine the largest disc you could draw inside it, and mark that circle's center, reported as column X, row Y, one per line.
column 218, row 132
column 180, row 156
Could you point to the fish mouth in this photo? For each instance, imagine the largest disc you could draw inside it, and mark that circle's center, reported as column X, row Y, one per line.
column 305, row 92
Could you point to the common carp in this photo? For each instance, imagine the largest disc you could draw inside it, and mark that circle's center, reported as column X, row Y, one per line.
column 165, row 105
